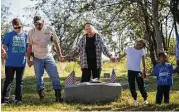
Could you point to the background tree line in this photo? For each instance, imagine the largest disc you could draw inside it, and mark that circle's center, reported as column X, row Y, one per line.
column 121, row 22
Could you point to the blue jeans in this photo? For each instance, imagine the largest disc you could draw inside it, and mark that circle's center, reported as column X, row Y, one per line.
column 50, row 66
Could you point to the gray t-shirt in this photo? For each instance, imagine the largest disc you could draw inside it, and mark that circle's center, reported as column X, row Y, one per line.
column 41, row 41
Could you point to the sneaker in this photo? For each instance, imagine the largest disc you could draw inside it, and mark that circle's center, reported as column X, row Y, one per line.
column 146, row 102
column 136, row 103
column 4, row 103
column 58, row 96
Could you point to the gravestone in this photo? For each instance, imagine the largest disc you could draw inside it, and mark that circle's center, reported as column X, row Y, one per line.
column 92, row 92
column 106, row 75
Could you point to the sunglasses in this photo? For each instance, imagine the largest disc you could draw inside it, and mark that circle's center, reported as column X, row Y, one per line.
column 38, row 24
column 17, row 27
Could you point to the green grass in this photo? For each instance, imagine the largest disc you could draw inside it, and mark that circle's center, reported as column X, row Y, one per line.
column 31, row 102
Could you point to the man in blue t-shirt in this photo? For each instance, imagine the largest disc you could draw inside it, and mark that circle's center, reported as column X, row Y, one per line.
column 163, row 71
column 14, row 52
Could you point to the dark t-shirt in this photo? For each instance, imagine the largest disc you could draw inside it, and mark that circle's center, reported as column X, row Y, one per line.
column 91, row 51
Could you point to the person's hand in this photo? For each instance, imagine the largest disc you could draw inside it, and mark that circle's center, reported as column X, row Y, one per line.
column 30, row 63
column 69, row 58
column 4, row 55
column 61, row 58
column 113, row 58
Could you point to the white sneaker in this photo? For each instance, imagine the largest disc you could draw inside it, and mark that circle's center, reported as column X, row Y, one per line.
column 2, row 104
column 146, row 102
column 136, row 103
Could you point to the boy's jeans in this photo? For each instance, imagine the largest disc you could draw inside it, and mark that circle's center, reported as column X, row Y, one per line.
column 50, row 66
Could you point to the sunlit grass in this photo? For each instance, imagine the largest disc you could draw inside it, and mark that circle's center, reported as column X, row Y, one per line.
column 31, row 102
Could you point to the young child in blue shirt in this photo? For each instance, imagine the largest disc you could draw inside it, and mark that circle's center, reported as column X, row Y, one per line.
column 163, row 71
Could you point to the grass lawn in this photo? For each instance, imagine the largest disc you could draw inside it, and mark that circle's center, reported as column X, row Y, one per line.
column 32, row 103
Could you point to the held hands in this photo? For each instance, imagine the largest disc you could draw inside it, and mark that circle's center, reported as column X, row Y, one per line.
column 67, row 57
column 30, row 63
column 61, row 58
column 113, row 58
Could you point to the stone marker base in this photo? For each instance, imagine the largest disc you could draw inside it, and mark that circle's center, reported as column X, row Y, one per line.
column 92, row 92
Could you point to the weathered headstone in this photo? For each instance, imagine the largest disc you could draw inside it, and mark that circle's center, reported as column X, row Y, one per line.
column 106, row 75
column 92, row 92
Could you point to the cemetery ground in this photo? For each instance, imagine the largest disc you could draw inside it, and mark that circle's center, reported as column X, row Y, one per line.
column 125, row 102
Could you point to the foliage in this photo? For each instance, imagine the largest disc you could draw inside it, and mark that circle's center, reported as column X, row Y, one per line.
column 171, row 49
column 120, row 22
column 5, row 25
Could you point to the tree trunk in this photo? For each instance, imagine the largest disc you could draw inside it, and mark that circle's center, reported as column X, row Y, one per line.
column 149, row 33
column 158, row 33
column 174, row 7
column 152, row 55
column 163, row 40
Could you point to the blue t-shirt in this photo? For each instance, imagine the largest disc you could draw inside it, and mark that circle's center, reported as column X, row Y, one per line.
column 163, row 72
column 17, row 44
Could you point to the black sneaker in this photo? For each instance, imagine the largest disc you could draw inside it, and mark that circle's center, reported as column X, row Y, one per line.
column 58, row 96
column 41, row 94
column 59, row 99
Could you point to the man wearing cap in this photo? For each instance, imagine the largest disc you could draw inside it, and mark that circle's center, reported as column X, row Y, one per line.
column 40, row 41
